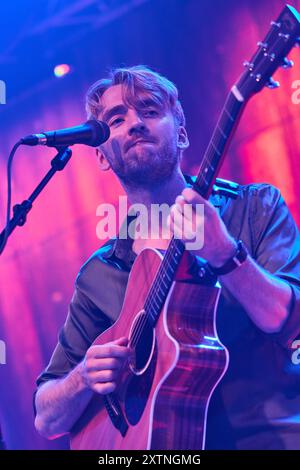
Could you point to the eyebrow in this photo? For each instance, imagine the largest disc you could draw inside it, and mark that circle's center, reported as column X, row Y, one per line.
column 122, row 109
column 146, row 102
column 109, row 113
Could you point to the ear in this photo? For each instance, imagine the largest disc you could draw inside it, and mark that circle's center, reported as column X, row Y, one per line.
column 103, row 163
column 182, row 138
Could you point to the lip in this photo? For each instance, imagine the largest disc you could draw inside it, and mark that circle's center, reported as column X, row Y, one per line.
column 141, row 141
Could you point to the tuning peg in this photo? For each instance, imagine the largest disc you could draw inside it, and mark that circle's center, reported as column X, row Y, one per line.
column 271, row 83
column 276, row 24
column 248, row 65
column 287, row 63
column 263, row 45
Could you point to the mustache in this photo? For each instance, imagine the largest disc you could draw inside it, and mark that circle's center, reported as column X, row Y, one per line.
column 132, row 142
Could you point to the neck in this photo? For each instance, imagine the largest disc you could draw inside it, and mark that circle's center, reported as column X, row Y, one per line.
column 157, row 232
column 164, row 193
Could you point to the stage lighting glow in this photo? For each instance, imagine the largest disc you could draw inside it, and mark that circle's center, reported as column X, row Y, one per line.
column 61, row 70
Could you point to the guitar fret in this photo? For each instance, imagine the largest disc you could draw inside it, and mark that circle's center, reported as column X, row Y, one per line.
column 160, row 290
column 169, row 278
column 152, row 316
column 174, row 260
column 215, row 148
column 157, row 305
column 229, row 115
column 177, row 252
column 164, row 283
column 180, row 249
column 205, row 180
column 208, row 167
column 221, row 130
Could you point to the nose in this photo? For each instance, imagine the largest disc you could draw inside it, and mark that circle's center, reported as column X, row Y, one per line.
column 136, row 123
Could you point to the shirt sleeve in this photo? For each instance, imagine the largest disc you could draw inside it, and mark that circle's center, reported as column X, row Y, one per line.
column 84, row 322
column 277, row 249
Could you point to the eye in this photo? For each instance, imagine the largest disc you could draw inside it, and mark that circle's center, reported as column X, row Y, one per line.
column 116, row 121
column 151, row 113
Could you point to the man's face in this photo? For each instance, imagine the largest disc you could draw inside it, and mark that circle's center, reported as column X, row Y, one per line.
column 142, row 149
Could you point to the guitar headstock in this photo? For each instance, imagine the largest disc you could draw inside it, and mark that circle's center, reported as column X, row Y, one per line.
column 283, row 35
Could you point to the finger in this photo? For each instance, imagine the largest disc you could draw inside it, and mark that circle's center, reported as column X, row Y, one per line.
column 179, row 202
column 192, row 196
column 177, row 228
column 96, row 364
column 108, row 351
column 185, row 228
column 123, row 341
column 104, row 389
column 103, row 376
column 176, row 212
column 174, row 209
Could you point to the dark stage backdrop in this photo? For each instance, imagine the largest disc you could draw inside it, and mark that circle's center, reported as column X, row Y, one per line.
column 201, row 46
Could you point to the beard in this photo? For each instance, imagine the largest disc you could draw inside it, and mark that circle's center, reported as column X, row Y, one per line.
column 144, row 166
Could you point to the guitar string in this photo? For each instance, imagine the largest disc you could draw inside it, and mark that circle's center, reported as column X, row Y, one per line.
column 153, row 292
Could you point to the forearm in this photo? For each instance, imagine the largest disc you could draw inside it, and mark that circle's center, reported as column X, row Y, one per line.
column 59, row 403
column 265, row 298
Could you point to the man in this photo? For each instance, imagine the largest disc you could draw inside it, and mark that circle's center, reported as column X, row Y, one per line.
column 257, row 402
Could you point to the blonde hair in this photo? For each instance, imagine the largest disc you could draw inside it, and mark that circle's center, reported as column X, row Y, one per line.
column 136, row 80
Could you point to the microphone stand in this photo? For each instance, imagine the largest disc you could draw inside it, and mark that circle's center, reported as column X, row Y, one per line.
column 20, row 211
column 2, row 443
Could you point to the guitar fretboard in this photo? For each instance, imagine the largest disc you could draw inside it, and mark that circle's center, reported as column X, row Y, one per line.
column 214, row 155
column 209, row 168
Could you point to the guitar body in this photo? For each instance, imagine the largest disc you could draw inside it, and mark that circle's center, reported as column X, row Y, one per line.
column 163, row 393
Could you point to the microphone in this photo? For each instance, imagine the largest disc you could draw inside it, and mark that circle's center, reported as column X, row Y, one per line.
column 91, row 133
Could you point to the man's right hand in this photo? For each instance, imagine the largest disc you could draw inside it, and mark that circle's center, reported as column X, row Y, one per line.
column 102, row 365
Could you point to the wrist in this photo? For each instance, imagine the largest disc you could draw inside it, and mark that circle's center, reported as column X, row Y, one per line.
column 227, row 253
column 235, row 261
column 80, row 377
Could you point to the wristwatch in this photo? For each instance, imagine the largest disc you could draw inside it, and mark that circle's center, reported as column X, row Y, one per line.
column 237, row 260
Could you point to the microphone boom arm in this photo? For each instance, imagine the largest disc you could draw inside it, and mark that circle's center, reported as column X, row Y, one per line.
column 21, row 210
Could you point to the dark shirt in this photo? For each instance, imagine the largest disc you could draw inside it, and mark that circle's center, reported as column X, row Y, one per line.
column 257, row 403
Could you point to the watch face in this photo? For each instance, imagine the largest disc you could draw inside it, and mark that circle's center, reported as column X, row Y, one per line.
column 242, row 252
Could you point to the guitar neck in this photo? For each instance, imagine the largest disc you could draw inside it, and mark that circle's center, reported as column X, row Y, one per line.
column 208, row 172
column 216, row 150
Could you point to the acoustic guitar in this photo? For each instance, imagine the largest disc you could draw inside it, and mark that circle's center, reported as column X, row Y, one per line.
column 162, row 396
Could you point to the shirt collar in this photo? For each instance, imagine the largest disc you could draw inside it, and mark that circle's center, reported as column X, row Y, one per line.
column 120, row 249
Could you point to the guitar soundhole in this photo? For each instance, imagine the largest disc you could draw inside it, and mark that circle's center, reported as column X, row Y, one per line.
column 142, row 340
